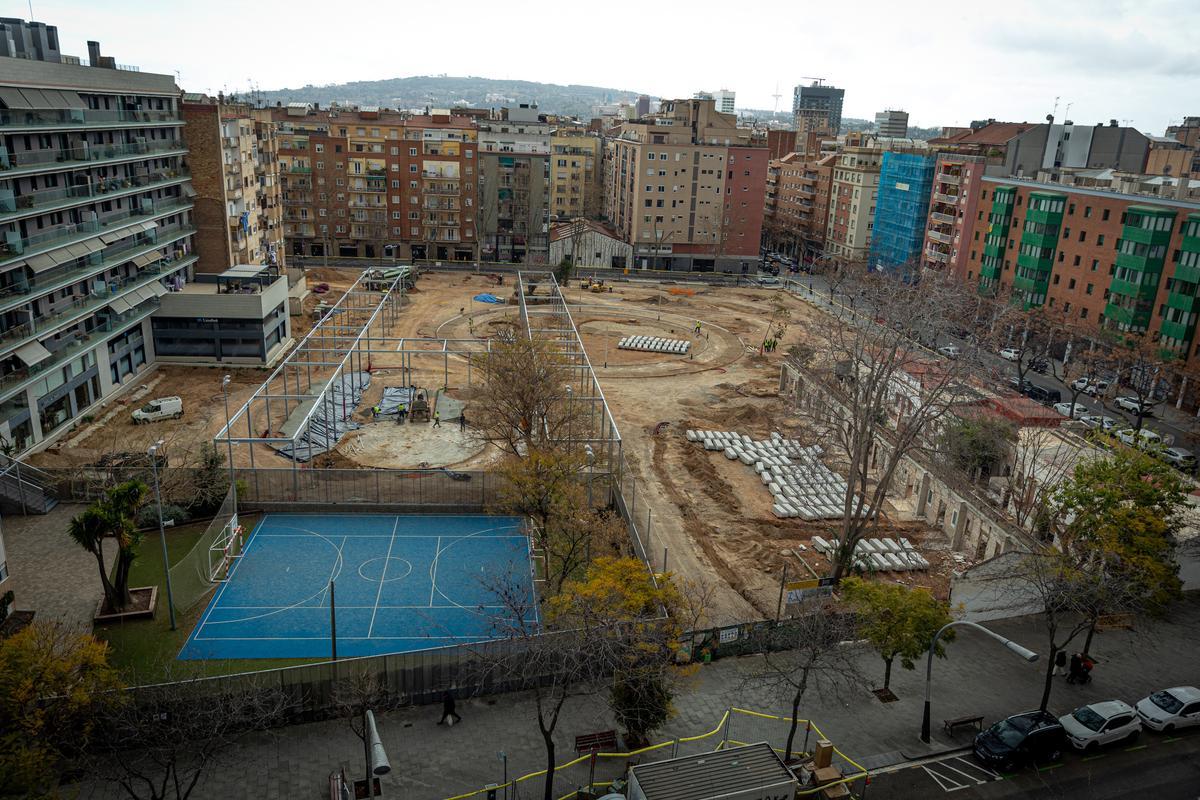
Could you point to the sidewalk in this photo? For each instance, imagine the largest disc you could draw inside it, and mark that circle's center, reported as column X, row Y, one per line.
column 978, row 676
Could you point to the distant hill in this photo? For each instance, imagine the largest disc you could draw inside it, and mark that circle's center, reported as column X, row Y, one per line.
column 445, row 92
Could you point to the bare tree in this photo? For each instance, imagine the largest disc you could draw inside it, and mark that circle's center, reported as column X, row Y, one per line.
column 1041, row 460
column 526, row 400
column 874, row 394
column 157, row 745
column 815, row 650
column 1146, row 370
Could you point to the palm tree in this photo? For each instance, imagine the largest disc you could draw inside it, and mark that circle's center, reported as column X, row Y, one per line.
column 113, row 517
column 89, row 530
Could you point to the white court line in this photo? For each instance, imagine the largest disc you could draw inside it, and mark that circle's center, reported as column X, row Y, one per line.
column 216, row 601
column 383, row 577
column 437, row 553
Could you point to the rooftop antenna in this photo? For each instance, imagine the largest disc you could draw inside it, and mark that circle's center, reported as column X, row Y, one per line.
column 31, row 10
column 777, row 95
column 1067, row 113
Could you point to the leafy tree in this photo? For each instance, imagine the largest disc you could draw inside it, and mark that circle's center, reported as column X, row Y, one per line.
column 112, row 517
column 1119, row 516
column 899, row 622
column 976, row 444
column 622, row 591
column 54, row 681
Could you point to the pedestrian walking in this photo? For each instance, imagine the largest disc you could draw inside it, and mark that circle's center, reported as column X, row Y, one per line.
column 1060, row 663
column 697, row 329
column 449, row 715
column 462, row 421
column 375, row 411
column 437, row 419
column 401, row 413
column 1075, row 670
column 1086, row 664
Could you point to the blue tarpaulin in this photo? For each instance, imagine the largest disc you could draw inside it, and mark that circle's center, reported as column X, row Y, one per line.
column 487, row 298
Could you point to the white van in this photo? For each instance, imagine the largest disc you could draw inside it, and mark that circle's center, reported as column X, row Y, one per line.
column 155, row 410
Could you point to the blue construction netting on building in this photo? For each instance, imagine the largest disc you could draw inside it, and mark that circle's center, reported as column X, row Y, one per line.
column 901, row 210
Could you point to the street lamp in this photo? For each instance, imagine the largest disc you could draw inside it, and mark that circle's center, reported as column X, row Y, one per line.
column 162, row 535
column 1023, row 652
column 229, row 441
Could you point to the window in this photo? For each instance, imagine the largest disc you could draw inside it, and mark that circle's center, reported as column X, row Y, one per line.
column 1087, row 212
column 1083, row 236
column 1071, row 284
column 412, row 151
column 1100, row 240
column 1104, row 216
column 1083, row 313
column 1071, row 209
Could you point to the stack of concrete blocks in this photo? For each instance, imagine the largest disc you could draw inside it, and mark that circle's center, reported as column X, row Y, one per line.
column 792, row 472
column 879, row 555
column 654, row 344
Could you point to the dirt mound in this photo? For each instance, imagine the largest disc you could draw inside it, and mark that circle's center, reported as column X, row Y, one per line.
column 697, row 462
column 653, row 300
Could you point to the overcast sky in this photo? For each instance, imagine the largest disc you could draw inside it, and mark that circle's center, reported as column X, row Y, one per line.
column 945, row 63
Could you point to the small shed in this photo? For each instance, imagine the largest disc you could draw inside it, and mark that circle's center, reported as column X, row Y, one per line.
column 753, row 772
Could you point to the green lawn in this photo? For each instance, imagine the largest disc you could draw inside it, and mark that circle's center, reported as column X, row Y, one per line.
column 145, row 650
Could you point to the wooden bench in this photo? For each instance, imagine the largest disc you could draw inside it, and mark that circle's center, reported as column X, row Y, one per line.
column 974, row 720
column 600, row 742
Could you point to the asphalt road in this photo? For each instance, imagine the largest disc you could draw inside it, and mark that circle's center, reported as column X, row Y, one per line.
column 1153, row 767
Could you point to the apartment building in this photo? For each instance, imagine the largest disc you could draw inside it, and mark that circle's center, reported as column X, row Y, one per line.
column 818, row 107
column 367, row 182
column 1063, row 145
column 233, row 152
column 901, row 211
column 685, row 188
column 780, row 142
column 1124, row 260
column 723, row 99
column 953, row 206
column 853, row 195
column 797, row 205
column 515, row 186
column 95, row 227
column 574, row 174
column 1177, row 153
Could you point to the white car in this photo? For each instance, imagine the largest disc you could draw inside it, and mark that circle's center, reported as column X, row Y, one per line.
column 1143, row 438
column 1078, row 412
column 1010, row 354
column 1100, row 723
column 1132, row 404
column 1097, row 421
column 950, row 351
column 1171, row 708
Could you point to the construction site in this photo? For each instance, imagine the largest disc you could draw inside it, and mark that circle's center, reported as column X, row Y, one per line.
column 382, row 374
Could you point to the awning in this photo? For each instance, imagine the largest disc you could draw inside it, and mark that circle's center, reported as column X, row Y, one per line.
column 37, row 98
column 12, row 98
column 40, row 263
column 157, row 289
column 148, row 226
column 32, row 353
column 78, row 250
column 189, row 190
column 108, row 237
column 71, row 99
column 120, row 305
column 146, row 259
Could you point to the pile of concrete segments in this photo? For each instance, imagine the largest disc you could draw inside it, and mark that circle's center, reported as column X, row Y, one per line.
column 654, row 344
column 896, row 555
column 792, row 472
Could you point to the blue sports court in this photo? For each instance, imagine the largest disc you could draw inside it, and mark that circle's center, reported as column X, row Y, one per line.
column 400, row 583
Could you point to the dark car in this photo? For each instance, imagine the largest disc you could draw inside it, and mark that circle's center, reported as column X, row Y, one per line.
column 1047, row 397
column 1020, row 386
column 1022, row 738
column 1039, row 365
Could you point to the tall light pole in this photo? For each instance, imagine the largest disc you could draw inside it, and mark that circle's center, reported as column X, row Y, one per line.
column 229, row 441
column 162, row 535
column 1023, row 652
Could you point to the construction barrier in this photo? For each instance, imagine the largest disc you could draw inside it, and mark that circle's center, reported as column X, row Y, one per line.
column 736, row 728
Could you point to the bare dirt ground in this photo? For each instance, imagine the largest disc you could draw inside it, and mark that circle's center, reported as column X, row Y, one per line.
column 711, row 515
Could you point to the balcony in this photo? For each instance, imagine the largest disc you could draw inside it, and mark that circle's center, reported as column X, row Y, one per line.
column 1183, row 302
column 938, row 236
column 945, row 219
column 1143, row 263
column 1143, row 290
column 937, row 255
column 1130, row 233
column 16, row 165
column 299, row 169
column 439, row 190
column 949, row 177
column 1176, row 330
column 65, row 235
column 82, row 307
column 82, row 118
column 948, row 199
column 1047, row 241
column 47, row 200
column 23, row 290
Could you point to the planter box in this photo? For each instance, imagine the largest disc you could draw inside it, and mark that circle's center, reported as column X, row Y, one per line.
column 145, row 598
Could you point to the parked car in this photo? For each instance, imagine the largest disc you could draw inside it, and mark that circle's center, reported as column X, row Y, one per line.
column 1092, row 725
column 769, row 282
column 1032, row 736
column 1105, row 424
column 1131, row 404
column 1039, row 365
column 155, row 410
column 1072, row 410
column 1087, row 385
column 1043, row 395
column 1170, row 709
column 1143, row 438
column 1010, row 354
column 951, row 351
column 1020, row 386
column 1180, row 458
